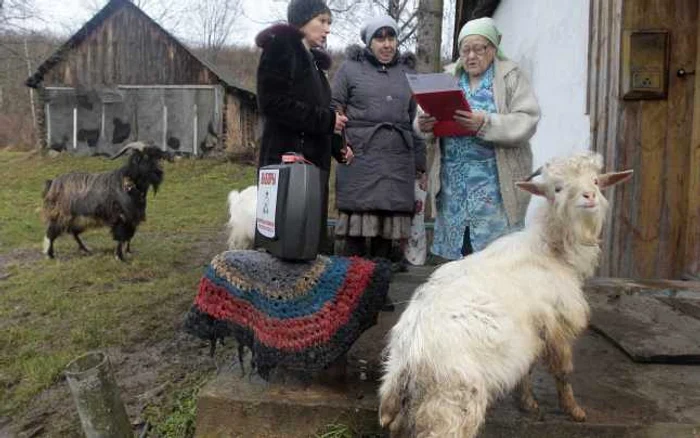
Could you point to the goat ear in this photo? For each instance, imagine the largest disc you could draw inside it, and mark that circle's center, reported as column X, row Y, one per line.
column 531, row 187
column 612, row 178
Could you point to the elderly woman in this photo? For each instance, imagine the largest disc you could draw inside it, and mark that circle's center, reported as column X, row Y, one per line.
column 472, row 178
column 375, row 191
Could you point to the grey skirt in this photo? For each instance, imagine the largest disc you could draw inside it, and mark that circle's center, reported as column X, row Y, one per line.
column 393, row 226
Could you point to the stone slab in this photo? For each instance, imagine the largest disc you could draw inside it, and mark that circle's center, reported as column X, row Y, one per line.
column 647, row 328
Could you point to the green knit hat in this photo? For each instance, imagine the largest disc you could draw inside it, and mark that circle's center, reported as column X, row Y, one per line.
column 485, row 27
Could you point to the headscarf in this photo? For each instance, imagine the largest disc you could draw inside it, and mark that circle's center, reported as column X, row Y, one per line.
column 486, row 27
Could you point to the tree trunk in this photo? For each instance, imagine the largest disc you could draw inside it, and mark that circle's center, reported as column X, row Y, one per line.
column 393, row 9
column 429, row 35
column 35, row 133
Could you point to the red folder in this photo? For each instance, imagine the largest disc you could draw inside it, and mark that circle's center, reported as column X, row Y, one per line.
column 442, row 105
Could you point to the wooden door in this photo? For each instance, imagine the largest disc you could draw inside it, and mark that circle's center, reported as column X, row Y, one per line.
column 653, row 228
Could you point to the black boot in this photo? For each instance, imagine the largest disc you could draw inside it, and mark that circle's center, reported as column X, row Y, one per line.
column 380, row 247
column 467, row 247
column 355, row 246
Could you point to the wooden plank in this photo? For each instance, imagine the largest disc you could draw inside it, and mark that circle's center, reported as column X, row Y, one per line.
column 592, row 74
column 679, row 125
column 625, row 284
column 653, row 142
column 626, row 196
column 604, row 97
column 599, row 113
column 614, row 111
column 691, row 264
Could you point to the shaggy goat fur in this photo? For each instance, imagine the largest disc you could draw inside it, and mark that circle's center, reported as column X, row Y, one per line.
column 75, row 202
column 473, row 331
column 241, row 222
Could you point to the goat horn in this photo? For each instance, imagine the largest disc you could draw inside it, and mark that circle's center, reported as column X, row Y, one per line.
column 138, row 145
column 537, row 172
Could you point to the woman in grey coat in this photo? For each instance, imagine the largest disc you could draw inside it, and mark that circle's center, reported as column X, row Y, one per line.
column 375, row 190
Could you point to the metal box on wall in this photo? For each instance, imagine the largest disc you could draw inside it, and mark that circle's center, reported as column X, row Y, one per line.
column 645, row 59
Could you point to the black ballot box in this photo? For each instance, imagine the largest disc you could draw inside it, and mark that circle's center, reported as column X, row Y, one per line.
column 290, row 206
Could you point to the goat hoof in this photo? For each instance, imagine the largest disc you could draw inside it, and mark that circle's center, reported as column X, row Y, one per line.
column 530, row 407
column 577, row 414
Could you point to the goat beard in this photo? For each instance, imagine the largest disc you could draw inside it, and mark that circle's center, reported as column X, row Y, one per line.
column 567, row 228
column 155, row 178
column 587, row 228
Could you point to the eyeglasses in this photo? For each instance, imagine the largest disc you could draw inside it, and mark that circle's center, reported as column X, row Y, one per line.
column 478, row 49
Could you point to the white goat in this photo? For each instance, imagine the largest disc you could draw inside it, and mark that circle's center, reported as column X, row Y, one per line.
column 241, row 222
column 473, row 331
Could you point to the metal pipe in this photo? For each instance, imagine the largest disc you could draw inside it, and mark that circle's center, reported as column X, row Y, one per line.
column 75, row 127
column 196, row 134
column 96, row 394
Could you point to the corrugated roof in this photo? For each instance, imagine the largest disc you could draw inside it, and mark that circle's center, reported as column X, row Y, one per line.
column 110, row 8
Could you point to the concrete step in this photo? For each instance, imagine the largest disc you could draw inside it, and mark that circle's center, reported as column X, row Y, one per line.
column 622, row 398
column 235, row 406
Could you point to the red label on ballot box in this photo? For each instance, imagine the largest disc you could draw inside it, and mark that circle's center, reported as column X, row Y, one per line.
column 440, row 96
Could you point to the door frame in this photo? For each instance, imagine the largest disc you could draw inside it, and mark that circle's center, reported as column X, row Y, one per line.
column 691, row 265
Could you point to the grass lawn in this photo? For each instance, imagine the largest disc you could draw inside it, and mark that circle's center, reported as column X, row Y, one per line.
column 54, row 310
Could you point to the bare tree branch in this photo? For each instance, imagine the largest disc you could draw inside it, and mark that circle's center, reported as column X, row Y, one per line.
column 215, row 19
column 14, row 12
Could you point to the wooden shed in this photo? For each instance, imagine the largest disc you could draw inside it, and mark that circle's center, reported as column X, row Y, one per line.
column 123, row 77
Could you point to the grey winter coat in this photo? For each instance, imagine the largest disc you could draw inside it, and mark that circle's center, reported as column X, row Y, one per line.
column 377, row 100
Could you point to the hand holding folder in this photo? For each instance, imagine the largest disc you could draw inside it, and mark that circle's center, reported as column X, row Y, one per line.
column 440, row 96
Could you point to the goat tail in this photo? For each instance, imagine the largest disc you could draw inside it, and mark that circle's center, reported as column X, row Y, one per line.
column 424, row 407
column 454, row 411
column 47, row 187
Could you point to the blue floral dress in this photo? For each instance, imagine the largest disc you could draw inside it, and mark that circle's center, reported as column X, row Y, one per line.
column 470, row 194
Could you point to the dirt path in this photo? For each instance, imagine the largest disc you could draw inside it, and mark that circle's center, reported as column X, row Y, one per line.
column 17, row 257
column 148, row 373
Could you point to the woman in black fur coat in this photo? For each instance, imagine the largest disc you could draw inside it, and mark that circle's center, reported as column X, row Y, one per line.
column 293, row 92
column 294, row 96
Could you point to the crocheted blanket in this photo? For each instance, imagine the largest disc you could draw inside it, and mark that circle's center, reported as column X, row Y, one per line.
column 299, row 315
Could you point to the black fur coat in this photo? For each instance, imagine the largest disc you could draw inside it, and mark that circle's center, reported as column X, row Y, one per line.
column 294, row 98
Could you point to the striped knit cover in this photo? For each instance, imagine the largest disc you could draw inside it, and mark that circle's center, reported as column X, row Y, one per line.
column 298, row 315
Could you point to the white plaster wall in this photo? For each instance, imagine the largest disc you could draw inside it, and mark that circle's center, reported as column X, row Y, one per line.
column 549, row 40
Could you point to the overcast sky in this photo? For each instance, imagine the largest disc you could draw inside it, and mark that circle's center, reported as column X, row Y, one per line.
column 67, row 16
